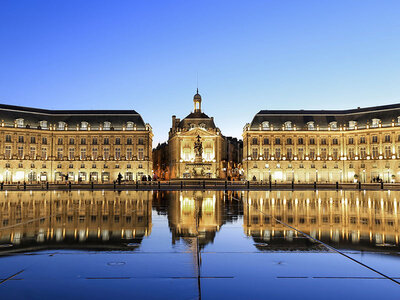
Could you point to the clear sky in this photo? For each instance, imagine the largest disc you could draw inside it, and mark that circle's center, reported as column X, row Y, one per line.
column 249, row 55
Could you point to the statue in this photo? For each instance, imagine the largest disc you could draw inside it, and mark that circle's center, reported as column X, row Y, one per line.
column 198, row 150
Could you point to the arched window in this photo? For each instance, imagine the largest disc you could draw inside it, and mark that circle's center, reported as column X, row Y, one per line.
column 19, row 122
column 265, row 125
column 129, row 125
column 84, row 125
column 288, row 125
column 61, row 125
column 310, row 125
column 43, row 124
column 107, row 125
column 352, row 124
column 376, row 122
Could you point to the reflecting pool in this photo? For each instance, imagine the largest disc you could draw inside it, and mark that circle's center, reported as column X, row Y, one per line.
column 199, row 244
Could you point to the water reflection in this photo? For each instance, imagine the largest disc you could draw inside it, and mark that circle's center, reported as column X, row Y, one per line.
column 121, row 220
column 346, row 219
column 92, row 220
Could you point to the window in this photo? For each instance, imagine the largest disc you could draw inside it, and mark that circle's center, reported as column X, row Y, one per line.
column 71, row 141
column 289, row 153
column 278, row 153
column 32, row 153
column 310, row 125
column 388, row 153
column 351, row 153
column 254, row 154
column 335, row 141
column 61, row 125
column 362, row 140
column 254, row 141
column 140, row 153
column 71, row 153
column 8, row 138
column 94, row 141
column 128, row 166
column 387, row 138
column 375, row 153
column 83, row 153
column 140, row 141
column 335, row 153
column 106, row 141
column 323, row 153
column 117, row 141
column 84, row 125
column 117, row 153
column 266, row 141
column 375, row 122
column 266, row 153
column 107, row 125
column 129, row 153
column 59, row 166
column 288, row 125
column 83, row 141
column 129, row 141
column 333, row 125
column 60, row 141
column 20, row 123
column 44, row 153
column 129, row 125
column 312, row 141
column 20, row 152
column 374, row 139
column 94, row 153
column 59, row 153
column 265, row 125
column 323, row 141
column 289, row 141
column 363, row 154
column 300, row 153
column 20, row 139
column 106, row 153
column 8, row 152
column 312, row 153
column 277, row 141
column 351, row 141
column 300, row 141
column 43, row 124
column 33, row 140
column 352, row 124
column 44, row 140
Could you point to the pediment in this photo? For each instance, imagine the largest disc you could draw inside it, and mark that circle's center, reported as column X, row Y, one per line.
column 199, row 131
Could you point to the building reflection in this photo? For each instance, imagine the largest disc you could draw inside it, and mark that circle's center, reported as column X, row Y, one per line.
column 102, row 220
column 195, row 214
column 352, row 219
column 92, row 220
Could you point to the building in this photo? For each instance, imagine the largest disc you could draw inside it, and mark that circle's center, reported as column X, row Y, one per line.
column 196, row 146
column 353, row 145
column 38, row 145
column 161, row 162
column 232, row 158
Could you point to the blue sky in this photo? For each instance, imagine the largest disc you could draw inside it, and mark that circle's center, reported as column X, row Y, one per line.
column 249, row 55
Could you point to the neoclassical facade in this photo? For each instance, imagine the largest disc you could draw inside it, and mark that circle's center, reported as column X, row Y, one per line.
column 186, row 160
column 354, row 145
column 38, row 145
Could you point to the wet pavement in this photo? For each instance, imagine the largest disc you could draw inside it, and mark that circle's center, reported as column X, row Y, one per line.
column 199, row 245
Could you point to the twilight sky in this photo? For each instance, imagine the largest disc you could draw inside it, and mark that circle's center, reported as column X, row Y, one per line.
column 249, row 55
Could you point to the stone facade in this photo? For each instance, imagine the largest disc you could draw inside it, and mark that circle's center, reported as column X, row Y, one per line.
column 324, row 146
column 79, row 146
column 182, row 137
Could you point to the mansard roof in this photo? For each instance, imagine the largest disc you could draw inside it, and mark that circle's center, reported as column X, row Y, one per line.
column 32, row 116
column 197, row 118
column 322, row 118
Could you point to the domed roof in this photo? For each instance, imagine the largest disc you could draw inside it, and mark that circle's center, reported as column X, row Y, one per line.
column 197, row 96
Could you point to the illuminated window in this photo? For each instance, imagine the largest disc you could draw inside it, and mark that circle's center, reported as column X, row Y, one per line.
column 117, row 153
column 106, row 153
column 129, row 125
column 129, row 153
column 140, row 153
